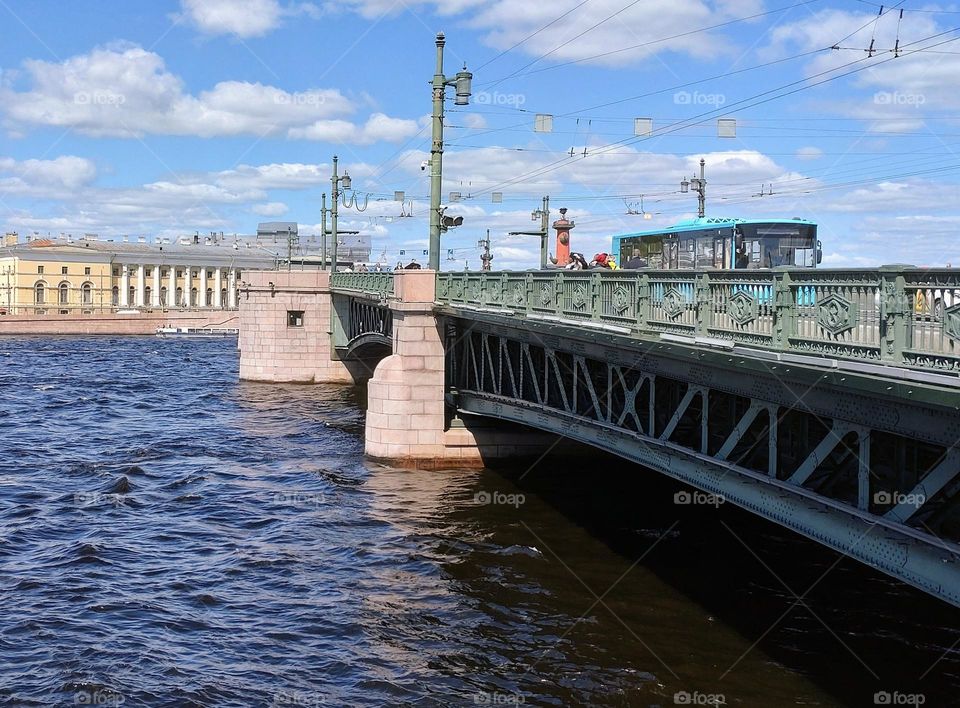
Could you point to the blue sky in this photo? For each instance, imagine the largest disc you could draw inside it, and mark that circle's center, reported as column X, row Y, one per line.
column 165, row 118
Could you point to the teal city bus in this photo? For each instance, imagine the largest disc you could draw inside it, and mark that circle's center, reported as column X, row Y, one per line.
column 714, row 243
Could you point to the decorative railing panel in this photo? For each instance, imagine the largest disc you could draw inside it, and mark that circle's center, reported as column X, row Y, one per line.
column 837, row 312
column 741, row 306
column 672, row 302
column 931, row 301
column 369, row 283
column 896, row 315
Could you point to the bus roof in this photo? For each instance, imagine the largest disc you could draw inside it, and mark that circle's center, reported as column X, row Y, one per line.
column 702, row 222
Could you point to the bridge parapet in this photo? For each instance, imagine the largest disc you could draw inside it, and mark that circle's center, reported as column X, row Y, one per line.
column 898, row 315
column 374, row 284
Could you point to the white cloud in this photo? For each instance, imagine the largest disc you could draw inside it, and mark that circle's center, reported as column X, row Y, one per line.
column 243, row 18
column 809, row 153
column 379, row 127
column 270, row 209
column 506, row 22
column 126, row 91
column 45, row 178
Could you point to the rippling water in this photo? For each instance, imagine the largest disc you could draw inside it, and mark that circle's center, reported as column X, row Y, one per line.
column 171, row 537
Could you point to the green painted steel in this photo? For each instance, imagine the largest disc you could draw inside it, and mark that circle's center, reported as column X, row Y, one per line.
column 377, row 284
column 902, row 316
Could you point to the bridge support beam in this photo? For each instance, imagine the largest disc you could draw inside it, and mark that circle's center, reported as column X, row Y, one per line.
column 285, row 328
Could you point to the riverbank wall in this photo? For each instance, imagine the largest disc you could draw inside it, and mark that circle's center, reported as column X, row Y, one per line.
column 140, row 323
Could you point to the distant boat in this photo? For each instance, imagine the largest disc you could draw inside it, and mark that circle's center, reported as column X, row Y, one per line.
column 197, row 332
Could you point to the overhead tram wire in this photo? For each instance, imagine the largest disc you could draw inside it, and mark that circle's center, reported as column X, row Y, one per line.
column 667, row 39
column 703, row 117
column 577, row 113
column 873, row 22
column 531, row 36
column 563, row 44
column 694, row 120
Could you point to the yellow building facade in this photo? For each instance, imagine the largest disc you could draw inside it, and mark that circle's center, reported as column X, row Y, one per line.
column 48, row 276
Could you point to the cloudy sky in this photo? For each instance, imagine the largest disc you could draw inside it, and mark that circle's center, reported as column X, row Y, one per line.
column 166, row 118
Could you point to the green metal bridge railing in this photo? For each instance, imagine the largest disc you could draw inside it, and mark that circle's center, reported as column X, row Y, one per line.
column 893, row 315
column 379, row 284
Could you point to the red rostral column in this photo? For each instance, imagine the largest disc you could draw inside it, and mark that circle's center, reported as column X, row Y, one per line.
column 563, row 226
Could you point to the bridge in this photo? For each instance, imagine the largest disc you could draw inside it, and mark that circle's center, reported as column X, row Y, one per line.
column 826, row 401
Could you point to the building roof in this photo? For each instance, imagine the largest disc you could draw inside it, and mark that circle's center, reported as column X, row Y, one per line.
column 132, row 252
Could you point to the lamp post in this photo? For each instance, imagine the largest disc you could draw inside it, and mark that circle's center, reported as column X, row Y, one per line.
column 699, row 185
column 440, row 83
column 336, row 191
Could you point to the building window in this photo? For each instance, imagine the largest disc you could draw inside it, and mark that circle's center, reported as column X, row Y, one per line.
column 39, row 270
column 147, row 272
column 163, row 273
column 193, row 296
column 132, row 296
column 148, row 295
column 208, row 298
column 294, row 318
column 116, row 272
column 209, row 273
column 86, row 270
column 64, row 293
column 115, row 296
column 163, row 296
column 179, row 273
column 223, row 297
column 86, row 293
column 179, row 300
column 39, row 293
column 63, row 270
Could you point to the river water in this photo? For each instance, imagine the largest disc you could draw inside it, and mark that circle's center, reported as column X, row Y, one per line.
column 172, row 537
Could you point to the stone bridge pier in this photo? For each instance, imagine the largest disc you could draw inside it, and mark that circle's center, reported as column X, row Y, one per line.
column 285, row 329
column 410, row 421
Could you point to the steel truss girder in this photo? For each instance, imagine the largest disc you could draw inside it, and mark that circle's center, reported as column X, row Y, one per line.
column 657, row 450
column 921, row 560
column 919, row 411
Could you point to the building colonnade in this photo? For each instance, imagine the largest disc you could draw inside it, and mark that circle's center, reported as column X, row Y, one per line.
column 144, row 285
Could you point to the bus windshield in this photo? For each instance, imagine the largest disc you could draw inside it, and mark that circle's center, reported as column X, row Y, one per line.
column 775, row 244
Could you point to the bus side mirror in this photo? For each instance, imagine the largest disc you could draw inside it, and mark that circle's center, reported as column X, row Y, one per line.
column 819, row 252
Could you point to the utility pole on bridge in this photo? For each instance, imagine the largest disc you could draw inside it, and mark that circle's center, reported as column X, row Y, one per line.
column 440, row 82
column 544, row 214
column 700, row 187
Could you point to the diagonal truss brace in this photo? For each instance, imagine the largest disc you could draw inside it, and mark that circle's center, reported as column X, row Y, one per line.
column 933, row 482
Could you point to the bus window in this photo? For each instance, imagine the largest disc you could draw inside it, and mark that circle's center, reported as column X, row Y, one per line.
column 741, row 259
column 719, row 253
column 687, row 253
column 705, row 251
column 671, row 253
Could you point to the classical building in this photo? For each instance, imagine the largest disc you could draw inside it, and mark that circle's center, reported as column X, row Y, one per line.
column 87, row 275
